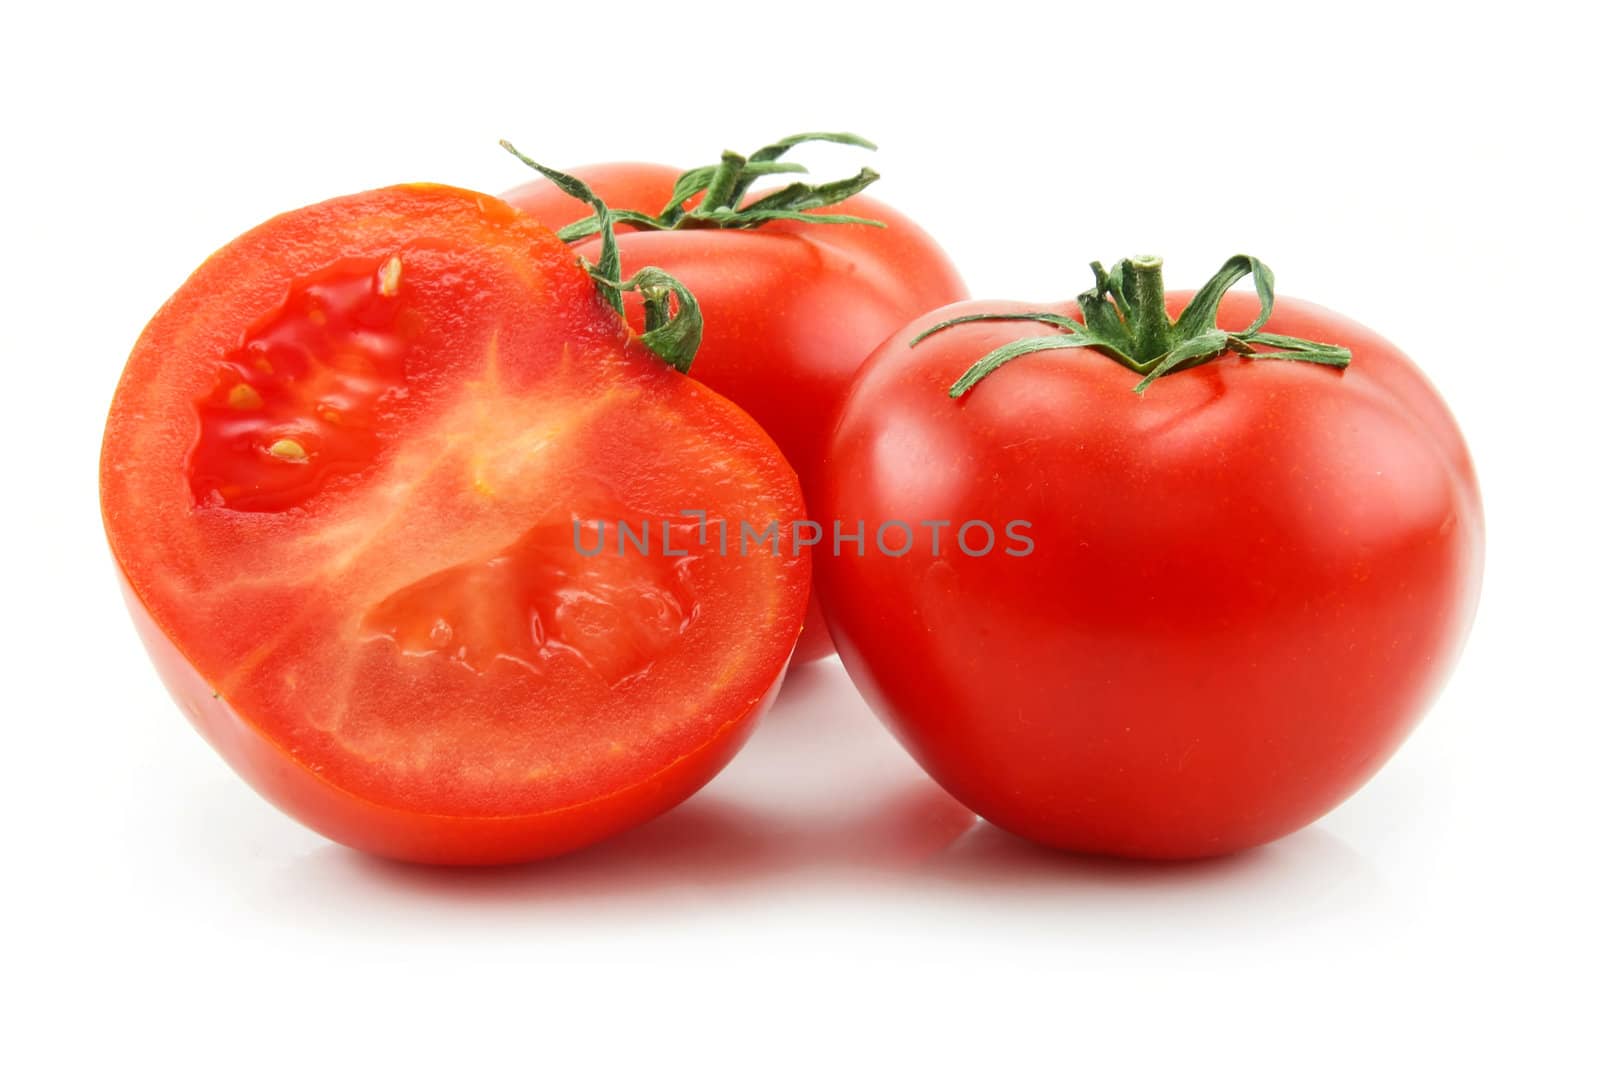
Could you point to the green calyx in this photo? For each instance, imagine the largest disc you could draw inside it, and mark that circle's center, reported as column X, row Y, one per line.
column 673, row 323
column 671, row 332
column 1125, row 318
column 723, row 186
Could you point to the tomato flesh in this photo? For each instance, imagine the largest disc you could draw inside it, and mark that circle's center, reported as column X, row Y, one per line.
column 397, row 625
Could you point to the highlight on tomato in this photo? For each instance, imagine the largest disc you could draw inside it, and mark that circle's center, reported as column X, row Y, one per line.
column 355, row 476
column 1255, row 548
column 797, row 285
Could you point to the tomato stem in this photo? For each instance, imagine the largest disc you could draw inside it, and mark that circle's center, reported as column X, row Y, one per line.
column 724, row 184
column 1152, row 329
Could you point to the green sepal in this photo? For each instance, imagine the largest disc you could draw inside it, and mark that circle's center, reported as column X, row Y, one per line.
column 608, row 270
column 777, row 149
column 1298, row 349
column 1102, row 318
column 1011, row 350
column 1192, row 351
column 799, row 196
column 585, row 228
column 1059, row 321
column 1201, row 313
column 723, row 188
column 673, row 335
column 1125, row 318
column 749, row 220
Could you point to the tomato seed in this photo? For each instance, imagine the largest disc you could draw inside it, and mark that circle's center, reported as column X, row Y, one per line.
column 243, row 398
column 389, row 277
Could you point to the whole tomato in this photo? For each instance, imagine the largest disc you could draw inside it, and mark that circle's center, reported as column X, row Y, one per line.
column 1220, row 582
column 796, row 287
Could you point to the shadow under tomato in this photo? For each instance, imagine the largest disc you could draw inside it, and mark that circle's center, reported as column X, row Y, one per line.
column 998, row 857
column 817, row 679
column 707, row 844
column 1307, row 875
column 822, row 798
column 820, row 793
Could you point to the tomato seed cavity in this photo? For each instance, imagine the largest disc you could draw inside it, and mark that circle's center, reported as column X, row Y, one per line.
column 538, row 601
column 299, row 402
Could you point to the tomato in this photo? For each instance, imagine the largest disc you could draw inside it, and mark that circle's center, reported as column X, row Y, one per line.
column 791, row 308
column 1203, row 614
column 363, row 476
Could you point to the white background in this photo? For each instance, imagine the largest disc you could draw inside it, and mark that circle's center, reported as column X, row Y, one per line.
column 1429, row 172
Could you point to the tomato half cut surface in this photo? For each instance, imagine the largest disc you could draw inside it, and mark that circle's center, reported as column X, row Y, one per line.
column 398, row 502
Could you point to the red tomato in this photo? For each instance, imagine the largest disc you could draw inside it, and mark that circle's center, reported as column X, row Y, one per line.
column 791, row 308
column 1244, row 585
column 343, row 476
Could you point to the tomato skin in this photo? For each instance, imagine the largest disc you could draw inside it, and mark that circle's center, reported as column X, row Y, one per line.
column 1246, row 586
column 285, row 627
column 791, row 309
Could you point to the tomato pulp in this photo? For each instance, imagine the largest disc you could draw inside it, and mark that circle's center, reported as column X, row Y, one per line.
column 791, row 308
column 1245, row 585
column 364, row 475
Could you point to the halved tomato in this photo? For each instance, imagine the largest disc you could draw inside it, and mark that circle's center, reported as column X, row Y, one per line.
column 398, row 501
